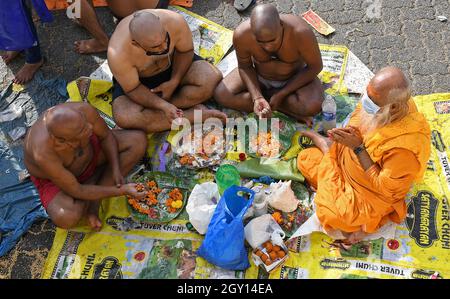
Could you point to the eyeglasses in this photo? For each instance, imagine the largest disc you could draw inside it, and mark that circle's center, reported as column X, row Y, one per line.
column 150, row 53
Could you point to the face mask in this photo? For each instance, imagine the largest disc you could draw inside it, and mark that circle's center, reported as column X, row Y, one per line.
column 369, row 105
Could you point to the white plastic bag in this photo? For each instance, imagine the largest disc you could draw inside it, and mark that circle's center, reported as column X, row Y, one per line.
column 201, row 205
column 282, row 197
column 261, row 229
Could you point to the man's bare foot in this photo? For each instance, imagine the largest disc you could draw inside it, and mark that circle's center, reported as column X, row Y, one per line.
column 321, row 142
column 26, row 73
column 9, row 56
column 355, row 237
column 92, row 216
column 209, row 113
column 90, row 46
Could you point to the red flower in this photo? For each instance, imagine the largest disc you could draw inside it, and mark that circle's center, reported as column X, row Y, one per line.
column 393, row 244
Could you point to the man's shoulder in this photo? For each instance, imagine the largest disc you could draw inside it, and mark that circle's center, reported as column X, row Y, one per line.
column 119, row 40
column 37, row 146
column 243, row 31
column 297, row 23
column 168, row 16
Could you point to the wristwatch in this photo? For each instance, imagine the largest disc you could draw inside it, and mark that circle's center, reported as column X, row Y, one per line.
column 359, row 149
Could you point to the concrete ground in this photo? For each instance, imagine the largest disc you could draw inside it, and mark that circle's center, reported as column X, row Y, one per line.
column 403, row 33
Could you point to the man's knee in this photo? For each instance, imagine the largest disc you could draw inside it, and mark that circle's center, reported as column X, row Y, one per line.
column 305, row 106
column 120, row 113
column 211, row 81
column 67, row 218
column 139, row 144
column 208, row 77
column 222, row 94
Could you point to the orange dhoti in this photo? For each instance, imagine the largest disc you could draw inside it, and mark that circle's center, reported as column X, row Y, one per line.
column 351, row 199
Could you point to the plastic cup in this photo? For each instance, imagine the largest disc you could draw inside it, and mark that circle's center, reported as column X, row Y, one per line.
column 227, row 176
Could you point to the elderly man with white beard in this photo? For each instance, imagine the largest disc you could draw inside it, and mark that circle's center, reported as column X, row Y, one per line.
column 363, row 172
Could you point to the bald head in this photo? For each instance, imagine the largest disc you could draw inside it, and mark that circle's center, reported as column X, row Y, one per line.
column 145, row 27
column 388, row 86
column 64, row 122
column 265, row 19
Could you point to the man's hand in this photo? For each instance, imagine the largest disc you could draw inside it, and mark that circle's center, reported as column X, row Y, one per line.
column 118, row 178
column 130, row 190
column 166, row 89
column 172, row 112
column 349, row 136
column 262, row 108
column 275, row 101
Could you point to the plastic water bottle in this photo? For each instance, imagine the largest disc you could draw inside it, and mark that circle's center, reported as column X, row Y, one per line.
column 328, row 113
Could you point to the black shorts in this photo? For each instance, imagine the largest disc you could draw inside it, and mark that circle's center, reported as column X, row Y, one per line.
column 150, row 82
column 163, row 4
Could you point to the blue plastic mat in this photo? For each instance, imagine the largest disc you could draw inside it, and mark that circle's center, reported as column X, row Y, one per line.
column 20, row 206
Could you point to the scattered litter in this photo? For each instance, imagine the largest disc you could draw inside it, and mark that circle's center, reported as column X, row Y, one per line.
column 23, row 175
column 242, row 5
column 17, row 133
column 11, row 113
column 185, row 3
column 442, row 18
column 18, row 87
column 318, row 23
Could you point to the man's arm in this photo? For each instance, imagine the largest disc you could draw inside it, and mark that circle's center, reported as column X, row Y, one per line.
column 245, row 63
column 67, row 182
column 308, row 48
column 248, row 75
column 184, row 49
column 108, row 141
column 397, row 174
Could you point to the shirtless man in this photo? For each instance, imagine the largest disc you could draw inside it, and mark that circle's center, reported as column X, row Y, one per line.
column 156, row 74
column 120, row 8
column 75, row 160
column 278, row 63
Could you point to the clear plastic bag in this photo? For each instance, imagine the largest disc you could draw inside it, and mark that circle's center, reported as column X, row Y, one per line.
column 201, row 205
column 261, row 229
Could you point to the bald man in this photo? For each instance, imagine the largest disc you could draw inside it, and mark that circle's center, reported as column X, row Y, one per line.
column 363, row 172
column 157, row 76
column 278, row 63
column 75, row 160
column 120, row 9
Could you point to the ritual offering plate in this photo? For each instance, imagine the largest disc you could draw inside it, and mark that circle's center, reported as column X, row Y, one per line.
column 266, row 144
column 165, row 197
column 290, row 222
column 207, row 151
